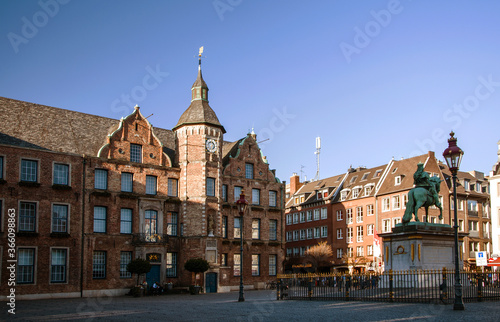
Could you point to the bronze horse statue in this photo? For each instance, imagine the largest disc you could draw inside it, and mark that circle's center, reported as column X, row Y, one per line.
column 422, row 197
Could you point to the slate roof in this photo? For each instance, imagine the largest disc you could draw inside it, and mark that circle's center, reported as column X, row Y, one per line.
column 309, row 190
column 405, row 168
column 362, row 177
column 38, row 126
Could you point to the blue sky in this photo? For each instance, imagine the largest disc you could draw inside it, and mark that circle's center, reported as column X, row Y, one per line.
column 373, row 79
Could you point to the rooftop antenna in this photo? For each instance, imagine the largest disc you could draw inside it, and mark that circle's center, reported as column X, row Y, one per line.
column 318, row 150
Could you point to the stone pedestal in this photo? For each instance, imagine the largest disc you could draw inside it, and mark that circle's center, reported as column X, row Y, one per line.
column 417, row 245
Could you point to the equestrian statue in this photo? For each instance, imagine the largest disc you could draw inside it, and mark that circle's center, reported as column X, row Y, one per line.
column 425, row 194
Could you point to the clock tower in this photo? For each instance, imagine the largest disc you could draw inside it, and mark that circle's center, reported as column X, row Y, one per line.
column 199, row 139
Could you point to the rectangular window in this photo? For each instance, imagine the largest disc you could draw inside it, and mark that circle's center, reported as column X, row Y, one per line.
column 25, row 265
column 127, row 182
column 237, row 227
column 324, row 231
column 349, row 234
column 99, row 264
column 386, row 205
column 309, row 215
column 1, row 167
column 125, row 221
column 386, row 225
column 255, row 265
column 350, row 252
column 359, row 214
column 368, row 190
column 316, row 214
column 369, row 210
column 405, row 200
column 29, row 170
column 59, row 218
column 171, row 260
column 224, row 227
column 255, row 197
column 396, row 204
column 223, row 259
column 348, row 218
column 296, row 235
column 302, row 216
column 302, row 234
column 61, row 174
column 324, row 213
column 310, row 233
column 370, row 229
column 296, row 218
column 339, row 252
column 339, row 233
column 339, row 215
column 224, row 192
column 27, row 216
column 289, row 219
column 359, row 234
column 255, row 228
column 58, row 266
column 237, row 193
column 355, row 192
column 472, row 205
column 211, row 187
column 289, row 236
column 248, row 170
column 125, row 258
column 360, row 251
column 172, row 187
column 101, row 179
column 99, row 219
column 236, row 265
column 317, row 232
column 172, row 220
column 151, row 185
column 369, row 250
column 135, row 153
column 272, row 198
column 272, row 265
column 273, row 229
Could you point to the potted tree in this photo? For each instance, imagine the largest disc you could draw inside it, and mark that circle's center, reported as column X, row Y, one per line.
column 195, row 266
column 138, row 266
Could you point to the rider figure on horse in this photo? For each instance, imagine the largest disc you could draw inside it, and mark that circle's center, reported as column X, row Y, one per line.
column 422, row 179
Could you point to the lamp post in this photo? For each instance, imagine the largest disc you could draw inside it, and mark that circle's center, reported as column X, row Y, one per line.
column 242, row 207
column 453, row 156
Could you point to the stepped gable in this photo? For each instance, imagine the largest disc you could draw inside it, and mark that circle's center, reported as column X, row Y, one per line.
column 33, row 125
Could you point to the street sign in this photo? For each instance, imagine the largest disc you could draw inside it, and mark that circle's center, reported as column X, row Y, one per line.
column 481, row 259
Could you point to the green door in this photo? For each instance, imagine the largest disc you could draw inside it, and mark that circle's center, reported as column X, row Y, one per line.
column 211, row 283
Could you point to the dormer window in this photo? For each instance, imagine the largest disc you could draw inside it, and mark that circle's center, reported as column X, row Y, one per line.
column 365, row 176
column 343, row 194
column 397, row 180
column 355, row 192
column 319, row 195
column 354, row 179
column 394, row 170
column 377, row 173
column 368, row 189
column 466, row 184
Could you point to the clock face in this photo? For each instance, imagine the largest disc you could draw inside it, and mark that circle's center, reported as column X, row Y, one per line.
column 211, row 145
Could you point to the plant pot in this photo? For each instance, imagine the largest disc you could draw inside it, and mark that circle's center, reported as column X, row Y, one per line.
column 194, row 289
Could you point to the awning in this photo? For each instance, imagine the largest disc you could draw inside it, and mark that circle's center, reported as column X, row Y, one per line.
column 494, row 261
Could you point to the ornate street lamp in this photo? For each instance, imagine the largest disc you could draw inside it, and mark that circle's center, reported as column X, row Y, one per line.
column 453, row 156
column 242, row 207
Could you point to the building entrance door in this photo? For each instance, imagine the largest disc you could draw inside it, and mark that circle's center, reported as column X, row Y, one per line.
column 153, row 275
column 211, row 283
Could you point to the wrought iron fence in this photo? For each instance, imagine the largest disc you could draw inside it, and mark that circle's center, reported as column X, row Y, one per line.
column 425, row 286
column 138, row 239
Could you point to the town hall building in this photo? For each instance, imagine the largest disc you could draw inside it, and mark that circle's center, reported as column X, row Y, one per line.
column 89, row 194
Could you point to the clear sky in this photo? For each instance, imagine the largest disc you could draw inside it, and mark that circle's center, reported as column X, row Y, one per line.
column 373, row 79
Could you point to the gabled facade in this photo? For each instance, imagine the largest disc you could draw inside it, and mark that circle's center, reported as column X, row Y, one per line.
column 372, row 201
column 89, row 194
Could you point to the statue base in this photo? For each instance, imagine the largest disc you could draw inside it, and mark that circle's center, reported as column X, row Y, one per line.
column 418, row 245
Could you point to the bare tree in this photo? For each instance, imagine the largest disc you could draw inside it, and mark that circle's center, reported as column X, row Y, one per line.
column 352, row 261
column 320, row 255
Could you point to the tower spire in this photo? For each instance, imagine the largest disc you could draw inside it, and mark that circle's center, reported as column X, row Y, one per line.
column 199, row 57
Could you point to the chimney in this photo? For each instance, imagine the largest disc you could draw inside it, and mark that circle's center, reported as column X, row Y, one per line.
column 294, row 183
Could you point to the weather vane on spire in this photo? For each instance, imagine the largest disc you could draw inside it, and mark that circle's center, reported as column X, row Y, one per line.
column 199, row 55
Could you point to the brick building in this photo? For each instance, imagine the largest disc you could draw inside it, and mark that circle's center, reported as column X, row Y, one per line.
column 92, row 193
column 371, row 201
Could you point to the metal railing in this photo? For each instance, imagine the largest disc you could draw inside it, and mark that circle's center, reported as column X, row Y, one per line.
column 425, row 286
column 138, row 239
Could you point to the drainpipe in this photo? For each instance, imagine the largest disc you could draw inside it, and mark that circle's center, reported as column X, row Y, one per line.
column 83, row 225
